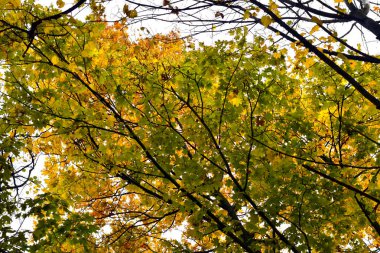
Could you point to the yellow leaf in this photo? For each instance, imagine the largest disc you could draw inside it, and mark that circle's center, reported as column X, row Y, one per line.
column 277, row 55
column 266, row 21
column 352, row 64
column 48, row 29
column 372, row 83
column 366, row 67
column 72, row 66
column 55, row 60
column 62, row 77
column 316, row 20
column 126, row 9
column 90, row 45
column 274, row 8
column 236, row 101
column 90, row 49
column 246, row 15
column 60, row 3
column 309, row 62
column 330, row 90
column 14, row 3
column 12, row 134
column 314, row 29
column 179, row 153
column 132, row 14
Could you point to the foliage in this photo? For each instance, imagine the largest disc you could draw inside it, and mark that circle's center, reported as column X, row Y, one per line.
column 242, row 146
column 14, row 175
column 322, row 27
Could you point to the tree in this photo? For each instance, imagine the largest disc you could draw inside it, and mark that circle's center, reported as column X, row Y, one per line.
column 327, row 28
column 145, row 136
column 13, row 177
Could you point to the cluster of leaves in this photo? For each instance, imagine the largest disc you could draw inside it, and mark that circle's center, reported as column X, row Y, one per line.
column 238, row 145
column 323, row 28
column 14, row 176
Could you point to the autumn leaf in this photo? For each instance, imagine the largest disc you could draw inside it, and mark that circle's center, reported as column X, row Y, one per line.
column 132, row 14
column 316, row 20
column 266, row 21
column 54, row 60
column 247, row 14
column 126, row 9
column 314, row 29
column 60, row 3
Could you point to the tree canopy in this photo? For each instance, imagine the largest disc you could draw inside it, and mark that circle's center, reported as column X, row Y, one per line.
column 251, row 144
